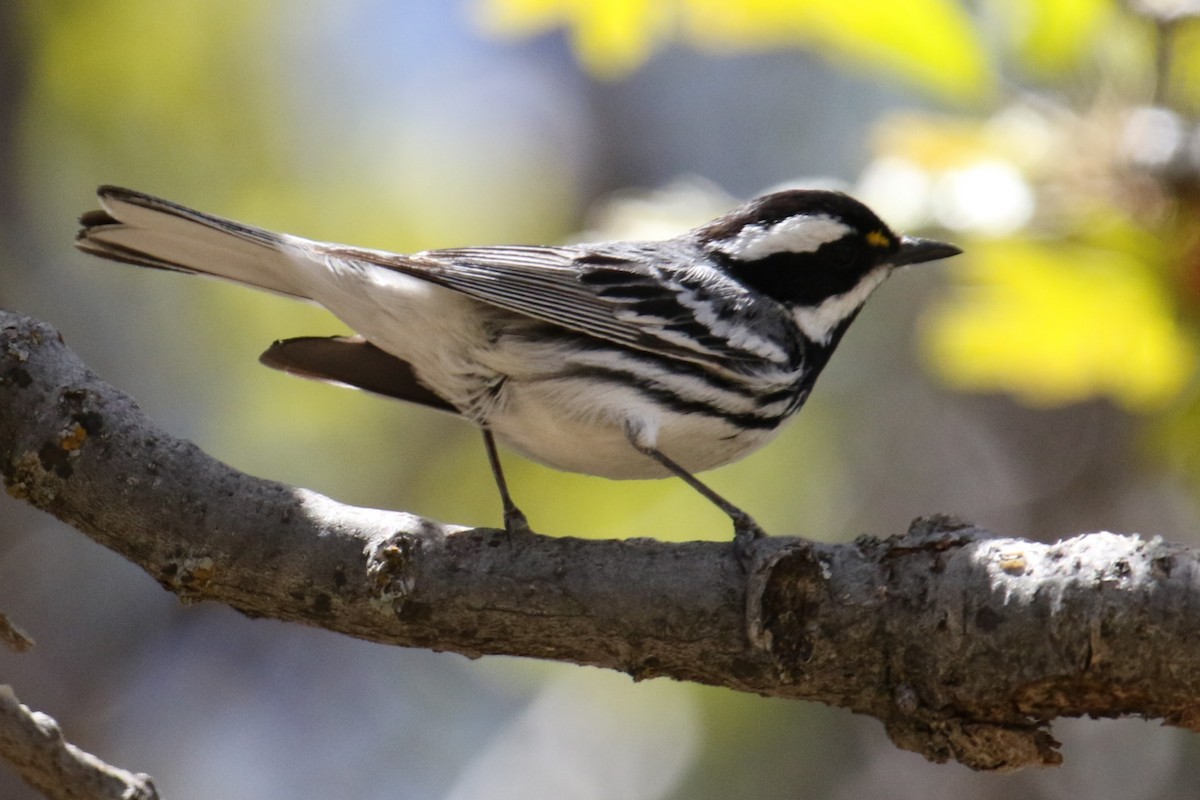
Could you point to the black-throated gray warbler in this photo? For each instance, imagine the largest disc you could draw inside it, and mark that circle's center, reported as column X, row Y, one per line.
column 618, row 359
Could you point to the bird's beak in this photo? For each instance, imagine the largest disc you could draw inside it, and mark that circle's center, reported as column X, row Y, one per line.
column 915, row 250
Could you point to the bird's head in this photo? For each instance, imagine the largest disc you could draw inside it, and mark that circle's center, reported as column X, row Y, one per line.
column 818, row 253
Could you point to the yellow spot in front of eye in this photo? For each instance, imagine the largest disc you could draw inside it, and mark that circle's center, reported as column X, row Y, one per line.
column 879, row 239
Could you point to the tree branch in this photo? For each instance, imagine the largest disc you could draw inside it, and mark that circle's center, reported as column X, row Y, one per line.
column 33, row 743
column 964, row 644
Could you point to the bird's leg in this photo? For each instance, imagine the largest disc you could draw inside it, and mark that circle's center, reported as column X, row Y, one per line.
column 745, row 529
column 514, row 519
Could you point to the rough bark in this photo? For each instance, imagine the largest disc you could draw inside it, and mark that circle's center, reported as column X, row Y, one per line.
column 964, row 644
column 33, row 743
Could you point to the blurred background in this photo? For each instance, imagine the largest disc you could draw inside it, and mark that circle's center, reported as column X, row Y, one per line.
column 1042, row 385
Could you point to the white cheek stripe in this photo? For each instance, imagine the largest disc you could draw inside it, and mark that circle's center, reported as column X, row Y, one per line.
column 801, row 234
column 818, row 323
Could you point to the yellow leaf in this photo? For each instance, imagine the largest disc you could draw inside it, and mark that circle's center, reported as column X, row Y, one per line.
column 1184, row 80
column 610, row 37
column 1059, row 323
column 1052, row 36
column 931, row 43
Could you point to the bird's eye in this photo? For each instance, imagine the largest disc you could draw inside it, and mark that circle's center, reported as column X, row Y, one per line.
column 840, row 255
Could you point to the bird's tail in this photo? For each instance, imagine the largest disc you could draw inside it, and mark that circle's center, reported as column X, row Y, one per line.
column 141, row 229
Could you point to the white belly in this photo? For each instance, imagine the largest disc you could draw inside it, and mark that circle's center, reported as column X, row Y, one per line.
column 576, row 428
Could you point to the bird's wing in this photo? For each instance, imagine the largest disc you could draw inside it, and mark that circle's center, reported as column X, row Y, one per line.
column 619, row 293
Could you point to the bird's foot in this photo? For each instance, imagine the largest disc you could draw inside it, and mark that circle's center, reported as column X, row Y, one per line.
column 515, row 521
column 745, row 533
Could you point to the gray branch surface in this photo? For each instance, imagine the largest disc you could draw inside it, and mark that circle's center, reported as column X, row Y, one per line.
column 964, row 644
column 33, row 743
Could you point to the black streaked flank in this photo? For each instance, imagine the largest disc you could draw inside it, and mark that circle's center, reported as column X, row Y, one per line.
column 670, row 398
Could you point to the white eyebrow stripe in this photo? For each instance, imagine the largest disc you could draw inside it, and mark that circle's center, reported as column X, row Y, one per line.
column 804, row 233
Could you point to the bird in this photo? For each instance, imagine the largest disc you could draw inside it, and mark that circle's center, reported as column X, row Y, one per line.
column 621, row 359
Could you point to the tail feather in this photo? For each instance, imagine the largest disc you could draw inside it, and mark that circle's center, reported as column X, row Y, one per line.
column 140, row 229
column 352, row 361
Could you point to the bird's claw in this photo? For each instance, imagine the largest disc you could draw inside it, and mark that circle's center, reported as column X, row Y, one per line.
column 745, row 533
column 515, row 521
